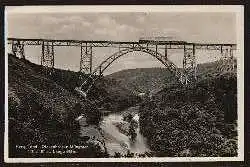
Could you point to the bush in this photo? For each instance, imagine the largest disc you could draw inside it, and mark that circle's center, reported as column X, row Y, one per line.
column 195, row 121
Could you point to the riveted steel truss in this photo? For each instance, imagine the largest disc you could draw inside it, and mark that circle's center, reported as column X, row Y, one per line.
column 189, row 65
column 48, row 54
column 185, row 75
column 18, row 49
column 86, row 59
column 143, row 48
column 227, row 62
column 119, row 44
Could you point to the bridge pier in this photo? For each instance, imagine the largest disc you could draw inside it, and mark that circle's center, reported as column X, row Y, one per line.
column 186, row 75
column 189, row 65
column 18, row 49
column 48, row 55
column 226, row 63
column 86, row 59
column 166, row 52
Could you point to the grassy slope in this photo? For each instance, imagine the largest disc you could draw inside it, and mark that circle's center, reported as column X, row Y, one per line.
column 43, row 112
column 116, row 97
column 155, row 79
column 194, row 121
column 144, row 79
column 106, row 93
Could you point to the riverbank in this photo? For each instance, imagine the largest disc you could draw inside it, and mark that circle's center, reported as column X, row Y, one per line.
column 117, row 142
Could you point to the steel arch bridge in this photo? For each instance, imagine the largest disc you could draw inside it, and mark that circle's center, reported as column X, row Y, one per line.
column 186, row 74
column 107, row 62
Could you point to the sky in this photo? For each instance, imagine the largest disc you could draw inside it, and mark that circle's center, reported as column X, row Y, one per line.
column 203, row 27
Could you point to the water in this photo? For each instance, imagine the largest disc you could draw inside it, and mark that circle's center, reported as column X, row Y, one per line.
column 116, row 141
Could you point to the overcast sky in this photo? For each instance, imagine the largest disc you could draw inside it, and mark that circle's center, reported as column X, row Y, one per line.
column 127, row 26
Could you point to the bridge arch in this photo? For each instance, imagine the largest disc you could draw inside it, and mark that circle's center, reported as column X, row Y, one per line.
column 108, row 61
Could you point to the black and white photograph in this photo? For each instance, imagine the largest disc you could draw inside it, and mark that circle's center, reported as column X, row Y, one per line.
column 124, row 83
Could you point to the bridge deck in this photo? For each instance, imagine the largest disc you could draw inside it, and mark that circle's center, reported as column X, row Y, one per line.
column 95, row 43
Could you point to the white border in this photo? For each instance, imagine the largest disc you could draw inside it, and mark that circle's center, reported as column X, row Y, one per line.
column 239, row 10
column 124, row 8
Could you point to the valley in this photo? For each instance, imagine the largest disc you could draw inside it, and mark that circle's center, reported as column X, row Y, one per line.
column 45, row 108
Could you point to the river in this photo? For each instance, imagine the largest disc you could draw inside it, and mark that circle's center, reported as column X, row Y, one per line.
column 116, row 141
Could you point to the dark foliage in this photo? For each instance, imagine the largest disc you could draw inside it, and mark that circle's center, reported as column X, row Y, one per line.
column 142, row 80
column 90, row 111
column 193, row 121
column 42, row 112
column 106, row 92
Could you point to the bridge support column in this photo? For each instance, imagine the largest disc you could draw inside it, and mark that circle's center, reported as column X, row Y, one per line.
column 48, row 55
column 18, row 49
column 189, row 64
column 86, row 59
column 226, row 63
column 166, row 51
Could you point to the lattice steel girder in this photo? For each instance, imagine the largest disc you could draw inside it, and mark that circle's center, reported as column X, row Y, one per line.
column 226, row 51
column 18, row 49
column 110, row 60
column 166, row 51
column 189, row 64
column 65, row 43
column 48, row 54
column 25, row 42
column 214, row 46
column 227, row 61
column 99, row 70
column 227, row 65
column 86, row 59
column 32, row 42
column 121, row 44
column 172, row 67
